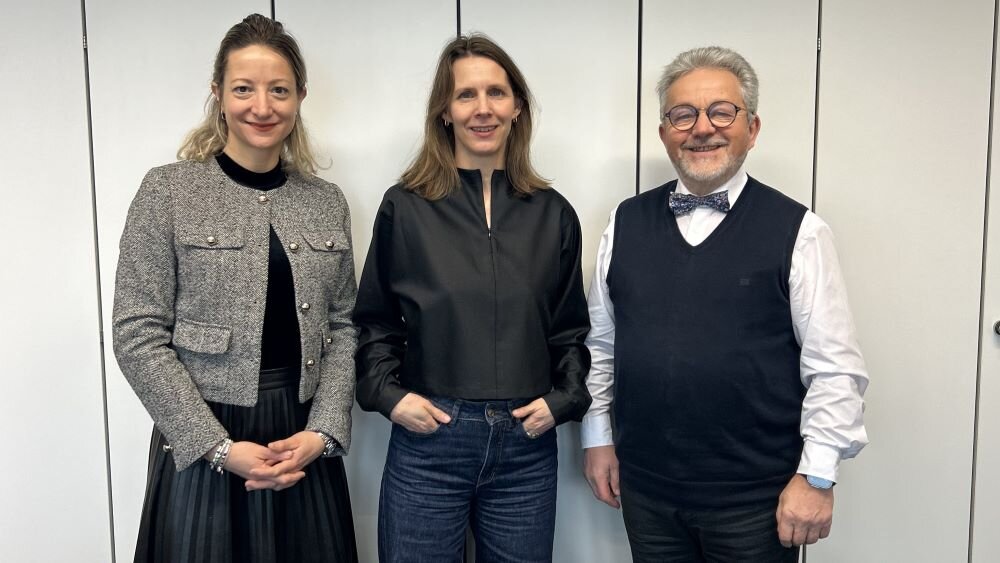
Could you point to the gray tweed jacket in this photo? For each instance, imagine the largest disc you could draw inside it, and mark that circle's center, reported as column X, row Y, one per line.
column 190, row 293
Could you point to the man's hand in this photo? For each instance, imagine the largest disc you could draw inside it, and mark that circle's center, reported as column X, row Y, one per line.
column 417, row 414
column 600, row 467
column 536, row 417
column 805, row 513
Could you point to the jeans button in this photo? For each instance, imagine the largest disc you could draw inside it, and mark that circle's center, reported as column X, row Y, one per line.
column 490, row 411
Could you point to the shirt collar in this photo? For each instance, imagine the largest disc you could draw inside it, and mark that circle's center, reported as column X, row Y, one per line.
column 733, row 185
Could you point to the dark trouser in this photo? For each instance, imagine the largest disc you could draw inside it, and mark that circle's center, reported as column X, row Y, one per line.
column 480, row 470
column 661, row 533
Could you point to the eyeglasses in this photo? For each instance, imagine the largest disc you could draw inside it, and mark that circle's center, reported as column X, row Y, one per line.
column 721, row 114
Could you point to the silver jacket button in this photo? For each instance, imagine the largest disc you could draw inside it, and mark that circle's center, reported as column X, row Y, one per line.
column 329, row 244
column 211, row 240
column 305, row 306
column 329, row 340
column 294, row 247
column 263, row 198
column 310, row 363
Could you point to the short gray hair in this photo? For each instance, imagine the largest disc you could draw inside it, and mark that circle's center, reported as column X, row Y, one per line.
column 711, row 57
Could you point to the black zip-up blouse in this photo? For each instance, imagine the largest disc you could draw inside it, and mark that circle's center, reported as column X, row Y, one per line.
column 450, row 307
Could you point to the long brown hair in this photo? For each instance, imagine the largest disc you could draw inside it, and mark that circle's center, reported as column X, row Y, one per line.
column 208, row 139
column 433, row 173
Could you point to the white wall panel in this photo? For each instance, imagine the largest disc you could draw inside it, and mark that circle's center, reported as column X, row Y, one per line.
column 778, row 38
column 150, row 69
column 903, row 129
column 370, row 69
column 986, row 507
column 53, row 487
column 580, row 60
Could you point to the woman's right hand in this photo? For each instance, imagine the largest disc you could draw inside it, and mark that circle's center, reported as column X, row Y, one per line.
column 417, row 414
column 245, row 456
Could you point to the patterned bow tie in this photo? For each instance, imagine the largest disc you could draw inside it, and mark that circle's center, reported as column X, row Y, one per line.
column 682, row 204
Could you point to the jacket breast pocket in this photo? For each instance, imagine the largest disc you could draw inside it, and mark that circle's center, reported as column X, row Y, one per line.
column 327, row 241
column 209, row 237
column 327, row 253
column 207, row 253
column 201, row 337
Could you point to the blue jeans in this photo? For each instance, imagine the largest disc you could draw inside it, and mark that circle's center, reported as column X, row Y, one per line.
column 479, row 470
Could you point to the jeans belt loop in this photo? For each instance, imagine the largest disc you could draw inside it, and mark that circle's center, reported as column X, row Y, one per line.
column 456, row 407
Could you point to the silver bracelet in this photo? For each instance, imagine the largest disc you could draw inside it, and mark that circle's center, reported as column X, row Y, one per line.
column 221, row 454
column 226, row 445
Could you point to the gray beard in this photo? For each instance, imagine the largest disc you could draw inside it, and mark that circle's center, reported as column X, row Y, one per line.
column 706, row 181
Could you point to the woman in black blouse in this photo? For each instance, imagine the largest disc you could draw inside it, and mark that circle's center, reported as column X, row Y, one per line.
column 472, row 318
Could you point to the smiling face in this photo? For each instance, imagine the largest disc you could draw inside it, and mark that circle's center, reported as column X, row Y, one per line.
column 706, row 156
column 481, row 111
column 260, row 102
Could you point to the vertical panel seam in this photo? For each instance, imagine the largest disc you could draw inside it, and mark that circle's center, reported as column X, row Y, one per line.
column 819, row 55
column 470, row 544
column 97, row 273
column 273, row 16
column 982, row 287
column 638, row 101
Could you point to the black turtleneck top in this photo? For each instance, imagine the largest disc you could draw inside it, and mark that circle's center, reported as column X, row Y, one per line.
column 280, row 344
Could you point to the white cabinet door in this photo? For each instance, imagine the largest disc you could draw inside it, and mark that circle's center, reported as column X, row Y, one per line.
column 986, row 500
column 53, row 490
column 903, row 131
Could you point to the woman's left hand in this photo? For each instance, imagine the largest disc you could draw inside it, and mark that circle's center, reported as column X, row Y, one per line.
column 304, row 446
column 536, row 417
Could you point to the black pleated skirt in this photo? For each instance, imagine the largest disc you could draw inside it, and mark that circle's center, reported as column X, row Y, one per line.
column 198, row 515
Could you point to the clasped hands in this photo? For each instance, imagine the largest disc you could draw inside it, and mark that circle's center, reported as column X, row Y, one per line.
column 278, row 465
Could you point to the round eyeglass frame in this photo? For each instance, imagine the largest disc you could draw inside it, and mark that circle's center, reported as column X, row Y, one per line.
column 707, row 111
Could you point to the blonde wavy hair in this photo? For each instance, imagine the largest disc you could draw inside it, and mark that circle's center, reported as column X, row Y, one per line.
column 209, row 137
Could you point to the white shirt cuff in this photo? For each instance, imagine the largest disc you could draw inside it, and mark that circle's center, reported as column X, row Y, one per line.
column 819, row 460
column 595, row 430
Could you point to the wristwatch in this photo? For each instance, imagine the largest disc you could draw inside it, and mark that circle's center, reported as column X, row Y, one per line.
column 330, row 446
column 819, row 482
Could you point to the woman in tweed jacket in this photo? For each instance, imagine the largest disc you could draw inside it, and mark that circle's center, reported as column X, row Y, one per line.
column 232, row 323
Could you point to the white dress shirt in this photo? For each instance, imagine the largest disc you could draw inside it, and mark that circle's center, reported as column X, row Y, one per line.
column 831, row 365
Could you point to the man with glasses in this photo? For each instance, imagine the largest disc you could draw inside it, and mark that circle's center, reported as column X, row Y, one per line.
column 722, row 337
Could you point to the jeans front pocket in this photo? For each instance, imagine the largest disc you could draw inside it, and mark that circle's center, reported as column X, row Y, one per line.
column 416, row 434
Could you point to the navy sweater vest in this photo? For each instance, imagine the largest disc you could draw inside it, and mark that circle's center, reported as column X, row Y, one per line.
column 708, row 397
